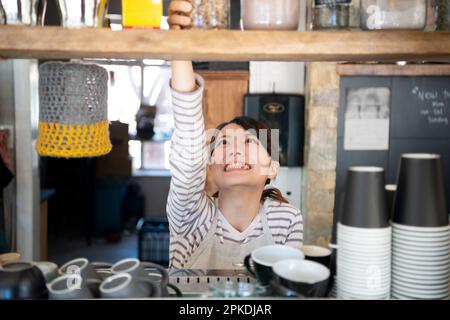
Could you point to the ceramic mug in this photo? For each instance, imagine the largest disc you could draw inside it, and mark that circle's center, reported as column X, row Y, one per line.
column 70, row 286
column 138, row 269
column 124, row 286
column 265, row 257
column 307, row 278
column 83, row 267
column 318, row 254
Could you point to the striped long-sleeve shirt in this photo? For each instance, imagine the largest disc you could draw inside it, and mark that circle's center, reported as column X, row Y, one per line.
column 190, row 210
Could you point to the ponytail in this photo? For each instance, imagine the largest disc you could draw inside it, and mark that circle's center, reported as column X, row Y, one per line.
column 271, row 193
column 274, row 194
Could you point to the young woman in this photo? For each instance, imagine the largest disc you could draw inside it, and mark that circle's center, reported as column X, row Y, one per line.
column 218, row 232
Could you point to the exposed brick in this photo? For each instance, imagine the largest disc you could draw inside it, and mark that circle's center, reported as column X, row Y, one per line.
column 323, row 137
column 318, row 228
column 323, row 97
column 319, row 200
column 322, row 75
column 322, row 117
column 321, row 180
column 321, row 158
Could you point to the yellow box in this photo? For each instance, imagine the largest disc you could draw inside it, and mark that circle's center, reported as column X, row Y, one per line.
column 142, row 13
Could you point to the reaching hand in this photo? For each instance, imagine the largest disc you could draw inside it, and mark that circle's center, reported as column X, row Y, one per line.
column 179, row 14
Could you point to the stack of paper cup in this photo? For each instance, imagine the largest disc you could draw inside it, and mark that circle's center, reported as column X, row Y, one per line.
column 421, row 231
column 363, row 263
column 420, row 262
column 364, row 237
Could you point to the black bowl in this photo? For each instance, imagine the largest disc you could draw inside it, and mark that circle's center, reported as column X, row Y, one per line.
column 22, row 280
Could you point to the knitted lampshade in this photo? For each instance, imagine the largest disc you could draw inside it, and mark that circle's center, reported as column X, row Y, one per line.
column 73, row 119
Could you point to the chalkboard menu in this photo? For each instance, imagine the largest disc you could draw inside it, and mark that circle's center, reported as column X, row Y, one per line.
column 417, row 111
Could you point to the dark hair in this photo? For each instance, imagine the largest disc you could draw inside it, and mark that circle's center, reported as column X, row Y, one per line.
column 251, row 124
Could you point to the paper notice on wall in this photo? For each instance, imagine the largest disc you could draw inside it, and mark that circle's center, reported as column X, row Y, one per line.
column 367, row 119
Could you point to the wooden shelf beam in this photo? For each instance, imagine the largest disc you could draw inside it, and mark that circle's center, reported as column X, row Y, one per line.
column 225, row 45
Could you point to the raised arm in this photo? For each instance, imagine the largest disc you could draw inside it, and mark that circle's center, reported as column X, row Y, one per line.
column 187, row 205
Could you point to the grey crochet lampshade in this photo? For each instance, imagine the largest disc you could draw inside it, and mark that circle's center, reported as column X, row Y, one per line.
column 73, row 120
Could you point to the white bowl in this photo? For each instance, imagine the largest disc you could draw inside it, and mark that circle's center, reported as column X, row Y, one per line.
column 420, row 229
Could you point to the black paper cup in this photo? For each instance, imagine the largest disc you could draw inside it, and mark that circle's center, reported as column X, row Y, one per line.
column 390, row 194
column 365, row 201
column 420, row 197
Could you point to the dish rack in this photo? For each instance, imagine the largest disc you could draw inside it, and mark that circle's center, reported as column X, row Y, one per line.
column 198, row 285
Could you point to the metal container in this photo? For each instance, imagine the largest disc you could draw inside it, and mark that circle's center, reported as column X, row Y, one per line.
column 22, row 12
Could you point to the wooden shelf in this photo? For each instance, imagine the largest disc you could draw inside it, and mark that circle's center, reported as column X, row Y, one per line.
column 227, row 45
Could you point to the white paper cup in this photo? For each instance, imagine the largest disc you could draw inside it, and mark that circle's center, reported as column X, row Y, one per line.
column 420, row 229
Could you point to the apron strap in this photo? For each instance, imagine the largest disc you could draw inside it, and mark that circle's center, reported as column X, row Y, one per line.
column 265, row 224
column 206, row 242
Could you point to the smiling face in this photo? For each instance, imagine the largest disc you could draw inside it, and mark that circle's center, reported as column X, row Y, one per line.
column 238, row 158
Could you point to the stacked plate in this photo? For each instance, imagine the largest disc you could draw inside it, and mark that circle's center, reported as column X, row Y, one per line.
column 363, row 262
column 420, row 262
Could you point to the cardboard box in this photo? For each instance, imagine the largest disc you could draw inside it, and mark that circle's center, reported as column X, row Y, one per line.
column 142, row 13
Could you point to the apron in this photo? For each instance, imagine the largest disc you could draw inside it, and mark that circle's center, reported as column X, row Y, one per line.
column 213, row 255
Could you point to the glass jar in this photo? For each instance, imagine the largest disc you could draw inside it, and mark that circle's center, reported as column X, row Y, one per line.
column 393, row 14
column 82, row 13
column 270, row 14
column 22, row 12
column 332, row 14
column 210, row 14
column 443, row 15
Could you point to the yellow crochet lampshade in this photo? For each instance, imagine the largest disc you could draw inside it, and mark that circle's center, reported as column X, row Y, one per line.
column 73, row 120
